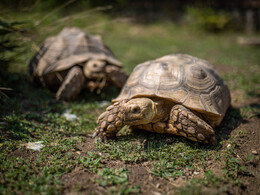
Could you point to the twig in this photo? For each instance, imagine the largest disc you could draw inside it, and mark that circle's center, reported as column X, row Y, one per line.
column 7, row 89
column 84, row 14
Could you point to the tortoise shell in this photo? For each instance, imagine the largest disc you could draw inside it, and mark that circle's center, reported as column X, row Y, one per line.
column 183, row 79
column 70, row 47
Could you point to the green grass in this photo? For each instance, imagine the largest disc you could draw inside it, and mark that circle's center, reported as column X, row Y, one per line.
column 118, row 178
column 31, row 114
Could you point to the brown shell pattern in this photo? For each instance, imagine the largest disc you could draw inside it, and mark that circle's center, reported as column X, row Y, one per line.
column 183, row 79
column 71, row 46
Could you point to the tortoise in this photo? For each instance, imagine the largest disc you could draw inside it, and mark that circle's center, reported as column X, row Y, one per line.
column 175, row 94
column 73, row 60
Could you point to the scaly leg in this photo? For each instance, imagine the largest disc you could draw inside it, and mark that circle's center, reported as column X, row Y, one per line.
column 72, row 84
column 190, row 125
column 116, row 76
column 184, row 123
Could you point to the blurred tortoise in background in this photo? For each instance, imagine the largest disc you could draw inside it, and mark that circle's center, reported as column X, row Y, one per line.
column 176, row 94
column 73, row 60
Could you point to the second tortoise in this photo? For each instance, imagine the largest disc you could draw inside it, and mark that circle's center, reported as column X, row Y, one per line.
column 176, row 94
column 72, row 61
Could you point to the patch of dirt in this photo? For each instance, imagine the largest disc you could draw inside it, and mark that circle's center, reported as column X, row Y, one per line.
column 25, row 153
column 87, row 145
column 79, row 181
column 248, row 150
column 140, row 176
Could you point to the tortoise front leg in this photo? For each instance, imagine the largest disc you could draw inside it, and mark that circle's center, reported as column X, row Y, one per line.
column 109, row 122
column 71, row 85
column 187, row 124
column 116, row 76
column 184, row 123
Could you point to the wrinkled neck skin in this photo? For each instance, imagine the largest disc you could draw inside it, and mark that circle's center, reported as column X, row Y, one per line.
column 163, row 108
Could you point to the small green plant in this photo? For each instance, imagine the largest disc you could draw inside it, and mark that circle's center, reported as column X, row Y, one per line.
column 110, row 177
column 92, row 163
column 167, row 169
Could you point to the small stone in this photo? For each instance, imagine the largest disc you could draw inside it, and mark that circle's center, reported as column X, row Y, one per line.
column 229, row 145
column 104, row 103
column 196, row 172
column 254, row 152
column 110, row 118
column 37, row 146
column 70, row 117
column 156, row 193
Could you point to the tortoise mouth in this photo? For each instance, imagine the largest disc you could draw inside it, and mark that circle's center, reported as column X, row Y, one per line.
column 133, row 121
column 96, row 75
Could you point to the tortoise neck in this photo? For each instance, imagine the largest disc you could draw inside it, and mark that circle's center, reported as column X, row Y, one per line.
column 162, row 109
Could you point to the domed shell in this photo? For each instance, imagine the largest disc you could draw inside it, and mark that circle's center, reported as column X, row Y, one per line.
column 184, row 80
column 70, row 47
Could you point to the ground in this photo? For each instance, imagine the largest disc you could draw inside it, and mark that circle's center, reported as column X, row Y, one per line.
column 71, row 162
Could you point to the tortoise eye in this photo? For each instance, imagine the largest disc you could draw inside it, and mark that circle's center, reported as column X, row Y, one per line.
column 94, row 65
column 135, row 109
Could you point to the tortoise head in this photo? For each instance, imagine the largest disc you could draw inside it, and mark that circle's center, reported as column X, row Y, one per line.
column 94, row 69
column 125, row 112
column 138, row 111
